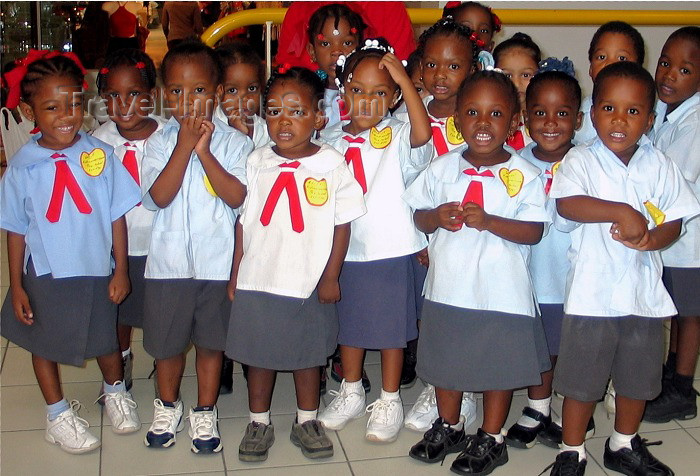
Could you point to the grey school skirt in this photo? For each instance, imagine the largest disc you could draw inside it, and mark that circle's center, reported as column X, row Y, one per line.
column 279, row 332
column 130, row 311
column 74, row 319
column 473, row 350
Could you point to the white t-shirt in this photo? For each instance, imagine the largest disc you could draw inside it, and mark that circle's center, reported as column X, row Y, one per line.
column 606, row 277
column 388, row 166
column 473, row 269
column 287, row 241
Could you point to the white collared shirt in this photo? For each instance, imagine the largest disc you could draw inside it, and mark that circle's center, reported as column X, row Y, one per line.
column 387, row 230
column 678, row 136
column 193, row 236
column 139, row 219
column 260, row 135
column 473, row 269
column 276, row 258
column 331, row 102
column 606, row 277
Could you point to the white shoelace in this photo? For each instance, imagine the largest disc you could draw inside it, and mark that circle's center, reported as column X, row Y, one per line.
column 202, row 424
column 162, row 420
column 75, row 423
column 379, row 410
column 339, row 400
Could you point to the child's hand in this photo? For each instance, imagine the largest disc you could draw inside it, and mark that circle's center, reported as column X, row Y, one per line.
column 328, row 290
column 207, row 130
column 231, row 289
column 239, row 121
column 20, row 304
column 190, row 131
column 644, row 243
column 475, row 217
column 119, row 287
column 423, row 257
column 450, row 216
column 396, row 69
column 631, row 228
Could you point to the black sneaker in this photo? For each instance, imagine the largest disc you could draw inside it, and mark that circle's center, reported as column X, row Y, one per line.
column 439, row 441
column 551, row 434
column 635, row 462
column 322, row 387
column 567, row 464
column 337, row 373
column 408, row 371
column 226, row 385
column 366, row 384
column 481, row 456
column 671, row 404
column 520, row 436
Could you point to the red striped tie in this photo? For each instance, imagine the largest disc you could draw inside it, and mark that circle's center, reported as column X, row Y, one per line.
column 517, row 140
column 64, row 180
column 285, row 180
column 354, row 156
column 475, row 190
column 131, row 165
column 438, row 139
column 548, row 185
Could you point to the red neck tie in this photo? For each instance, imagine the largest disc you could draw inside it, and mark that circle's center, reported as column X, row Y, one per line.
column 354, row 156
column 517, row 140
column 548, row 185
column 438, row 138
column 64, row 180
column 130, row 164
column 285, row 180
column 475, row 190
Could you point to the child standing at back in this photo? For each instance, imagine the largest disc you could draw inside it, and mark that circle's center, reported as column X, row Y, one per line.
column 479, row 18
column 127, row 82
column 628, row 200
column 193, row 177
column 62, row 303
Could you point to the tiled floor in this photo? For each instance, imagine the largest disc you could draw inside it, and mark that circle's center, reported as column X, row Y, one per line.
column 24, row 451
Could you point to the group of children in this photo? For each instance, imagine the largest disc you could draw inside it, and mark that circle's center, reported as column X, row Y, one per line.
column 278, row 220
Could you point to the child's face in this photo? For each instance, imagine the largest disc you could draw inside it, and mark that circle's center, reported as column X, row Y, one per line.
column 678, row 72
column 611, row 48
column 326, row 49
column 485, row 117
column 520, row 67
column 552, row 117
column 446, row 63
column 417, row 80
column 479, row 20
column 128, row 99
column 57, row 108
column 621, row 114
column 292, row 118
column 369, row 94
column 190, row 90
column 241, row 90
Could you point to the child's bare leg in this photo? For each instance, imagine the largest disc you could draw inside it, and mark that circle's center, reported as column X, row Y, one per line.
column 261, row 382
column 111, row 367
column 673, row 341
column 688, row 344
column 208, row 375
column 352, row 359
column 575, row 417
column 448, row 402
column 628, row 414
column 392, row 363
column 496, row 407
column 306, row 383
column 169, row 372
column 544, row 390
column 124, row 335
column 49, row 379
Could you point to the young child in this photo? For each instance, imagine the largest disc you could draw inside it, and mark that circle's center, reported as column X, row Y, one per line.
column 193, row 176
column 628, row 200
column 479, row 18
column 244, row 77
column 64, row 291
column 479, row 327
column 291, row 240
column 377, row 309
column 677, row 134
column 519, row 58
column 552, row 116
column 612, row 42
column 334, row 30
column 448, row 58
column 413, row 70
column 127, row 82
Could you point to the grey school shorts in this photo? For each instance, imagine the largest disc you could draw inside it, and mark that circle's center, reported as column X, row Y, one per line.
column 628, row 349
column 683, row 284
column 180, row 311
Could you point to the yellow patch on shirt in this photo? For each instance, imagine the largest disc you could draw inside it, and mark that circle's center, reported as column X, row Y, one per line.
column 316, row 191
column 555, row 167
column 207, row 185
column 380, row 139
column 454, row 137
column 93, row 163
column 512, row 179
column 657, row 215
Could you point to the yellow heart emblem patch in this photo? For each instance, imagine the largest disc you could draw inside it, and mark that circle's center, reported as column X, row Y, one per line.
column 657, row 215
column 207, row 185
column 512, row 179
column 555, row 167
column 380, row 139
column 454, row 137
column 93, row 163
column 316, row 191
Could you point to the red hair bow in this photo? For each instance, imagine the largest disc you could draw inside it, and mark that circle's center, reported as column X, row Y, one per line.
column 14, row 77
column 140, row 65
column 497, row 25
column 475, row 39
column 452, row 4
column 284, row 68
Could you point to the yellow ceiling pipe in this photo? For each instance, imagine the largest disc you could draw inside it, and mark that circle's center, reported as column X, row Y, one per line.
column 427, row 16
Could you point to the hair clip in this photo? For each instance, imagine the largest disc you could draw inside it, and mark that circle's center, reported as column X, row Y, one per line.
column 553, row 64
column 284, row 68
column 320, row 37
column 140, row 65
column 485, row 59
column 495, row 70
column 497, row 25
column 104, row 70
column 353, row 30
column 349, row 78
column 404, row 63
column 339, row 85
column 340, row 61
column 321, row 74
column 475, row 39
column 336, row 32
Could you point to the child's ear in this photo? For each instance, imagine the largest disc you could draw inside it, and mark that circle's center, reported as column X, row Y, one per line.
column 320, row 119
column 526, row 118
column 219, row 92
column 26, row 110
column 579, row 120
column 310, row 50
column 396, row 98
column 650, row 122
column 514, row 122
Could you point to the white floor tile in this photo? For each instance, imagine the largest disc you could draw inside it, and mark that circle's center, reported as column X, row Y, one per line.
column 695, row 433
column 335, row 469
column 18, row 370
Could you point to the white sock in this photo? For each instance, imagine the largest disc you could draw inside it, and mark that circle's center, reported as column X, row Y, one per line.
column 620, row 440
column 126, row 353
column 354, row 386
column 263, row 417
column 306, row 415
column 580, row 449
column 117, row 387
column 389, row 396
column 497, row 436
column 459, row 426
column 541, row 406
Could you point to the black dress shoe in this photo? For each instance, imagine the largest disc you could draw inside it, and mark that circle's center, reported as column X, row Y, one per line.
column 637, row 461
column 408, row 371
column 481, row 456
column 567, row 464
column 438, row 442
column 551, row 434
column 226, row 385
column 523, row 437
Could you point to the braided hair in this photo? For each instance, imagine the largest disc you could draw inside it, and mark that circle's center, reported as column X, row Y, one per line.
column 493, row 76
column 518, row 40
column 373, row 48
column 41, row 69
column 448, row 27
column 129, row 57
column 303, row 76
column 453, row 11
column 336, row 11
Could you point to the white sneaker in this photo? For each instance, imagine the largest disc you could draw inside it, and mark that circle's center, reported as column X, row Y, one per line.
column 121, row 409
column 424, row 412
column 204, row 431
column 385, row 421
column 167, row 421
column 609, row 400
column 468, row 408
column 70, row 432
column 347, row 405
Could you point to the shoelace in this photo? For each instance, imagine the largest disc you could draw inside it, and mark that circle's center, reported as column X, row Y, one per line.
column 380, row 410
column 77, row 424
column 339, row 399
column 162, row 417
column 202, row 424
column 567, row 467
